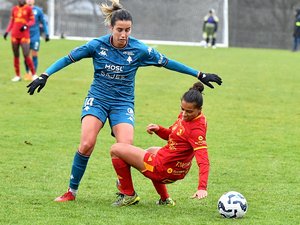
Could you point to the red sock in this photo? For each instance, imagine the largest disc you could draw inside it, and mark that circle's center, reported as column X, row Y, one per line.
column 124, row 175
column 17, row 65
column 161, row 190
column 29, row 62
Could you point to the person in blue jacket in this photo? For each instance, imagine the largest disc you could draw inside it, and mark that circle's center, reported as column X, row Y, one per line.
column 116, row 59
column 35, row 37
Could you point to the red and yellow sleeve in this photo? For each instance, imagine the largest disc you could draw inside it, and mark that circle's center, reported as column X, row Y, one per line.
column 163, row 132
column 11, row 22
column 31, row 17
column 198, row 142
column 203, row 164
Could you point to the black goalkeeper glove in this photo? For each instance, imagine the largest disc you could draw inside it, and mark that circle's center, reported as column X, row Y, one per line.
column 47, row 38
column 206, row 78
column 5, row 35
column 24, row 27
column 39, row 83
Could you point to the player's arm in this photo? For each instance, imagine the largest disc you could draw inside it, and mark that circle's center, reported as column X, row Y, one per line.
column 204, row 24
column 197, row 139
column 159, row 131
column 45, row 25
column 201, row 156
column 31, row 18
column 205, row 78
column 40, row 82
column 163, row 132
column 153, row 57
column 9, row 26
column 203, row 164
column 75, row 55
column 216, row 19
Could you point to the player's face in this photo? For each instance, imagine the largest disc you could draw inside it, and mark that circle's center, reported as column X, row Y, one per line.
column 21, row 2
column 120, row 32
column 30, row 2
column 189, row 111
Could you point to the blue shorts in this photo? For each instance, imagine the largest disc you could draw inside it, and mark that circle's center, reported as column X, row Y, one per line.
column 35, row 44
column 118, row 112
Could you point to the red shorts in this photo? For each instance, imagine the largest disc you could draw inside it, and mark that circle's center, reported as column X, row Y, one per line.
column 22, row 40
column 158, row 172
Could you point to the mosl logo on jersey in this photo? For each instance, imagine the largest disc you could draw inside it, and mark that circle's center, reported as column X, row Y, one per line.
column 114, row 68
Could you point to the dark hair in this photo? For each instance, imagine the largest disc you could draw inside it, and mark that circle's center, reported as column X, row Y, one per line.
column 114, row 12
column 121, row 14
column 194, row 95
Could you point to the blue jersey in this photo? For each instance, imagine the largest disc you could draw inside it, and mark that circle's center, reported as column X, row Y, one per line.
column 39, row 19
column 115, row 68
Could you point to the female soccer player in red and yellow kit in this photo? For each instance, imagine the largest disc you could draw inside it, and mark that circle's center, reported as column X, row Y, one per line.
column 21, row 19
column 186, row 139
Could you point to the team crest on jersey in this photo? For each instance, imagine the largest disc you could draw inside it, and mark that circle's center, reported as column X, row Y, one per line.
column 180, row 130
column 129, row 59
column 149, row 50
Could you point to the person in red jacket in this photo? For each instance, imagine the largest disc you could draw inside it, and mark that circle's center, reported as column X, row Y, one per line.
column 186, row 139
column 21, row 19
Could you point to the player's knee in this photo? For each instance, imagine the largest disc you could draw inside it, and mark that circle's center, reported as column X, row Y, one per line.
column 115, row 148
column 86, row 147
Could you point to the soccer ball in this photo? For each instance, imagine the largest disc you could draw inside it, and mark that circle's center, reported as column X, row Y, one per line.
column 232, row 205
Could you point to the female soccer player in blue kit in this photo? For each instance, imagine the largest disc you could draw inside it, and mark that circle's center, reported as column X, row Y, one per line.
column 116, row 58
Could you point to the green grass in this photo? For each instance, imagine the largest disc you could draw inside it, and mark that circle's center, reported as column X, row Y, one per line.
column 253, row 138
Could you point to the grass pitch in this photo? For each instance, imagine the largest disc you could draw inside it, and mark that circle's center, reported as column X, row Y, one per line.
column 253, row 138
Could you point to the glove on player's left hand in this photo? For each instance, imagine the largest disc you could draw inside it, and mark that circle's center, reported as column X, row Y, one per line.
column 206, row 78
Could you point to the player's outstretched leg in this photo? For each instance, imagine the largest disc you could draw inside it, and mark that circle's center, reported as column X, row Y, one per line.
column 78, row 168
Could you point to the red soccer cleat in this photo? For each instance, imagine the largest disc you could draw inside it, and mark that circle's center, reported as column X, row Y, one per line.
column 68, row 196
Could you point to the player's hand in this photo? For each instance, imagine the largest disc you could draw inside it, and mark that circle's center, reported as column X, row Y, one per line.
column 206, row 78
column 39, row 83
column 152, row 128
column 200, row 194
column 5, row 35
column 47, row 38
column 24, row 27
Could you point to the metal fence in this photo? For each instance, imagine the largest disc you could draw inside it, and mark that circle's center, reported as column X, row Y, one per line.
column 252, row 23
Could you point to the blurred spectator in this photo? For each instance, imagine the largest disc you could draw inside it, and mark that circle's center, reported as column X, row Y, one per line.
column 296, row 33
column 210, row 27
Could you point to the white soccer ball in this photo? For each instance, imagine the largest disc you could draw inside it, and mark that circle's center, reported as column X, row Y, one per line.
column 232, row 205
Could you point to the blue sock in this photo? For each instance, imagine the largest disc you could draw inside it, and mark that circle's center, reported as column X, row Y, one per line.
column 78, row 168
column 26, row 67
column 35, row 62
